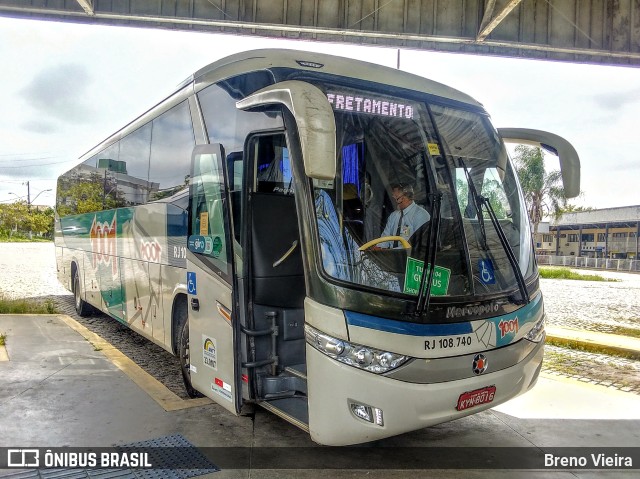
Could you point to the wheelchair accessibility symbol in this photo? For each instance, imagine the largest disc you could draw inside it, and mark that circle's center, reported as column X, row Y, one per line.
column 191, row 283
column 487, row 276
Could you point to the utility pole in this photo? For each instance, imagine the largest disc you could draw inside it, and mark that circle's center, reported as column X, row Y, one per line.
column 28, row 196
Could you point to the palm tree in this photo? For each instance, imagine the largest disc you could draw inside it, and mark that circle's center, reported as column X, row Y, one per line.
column 543, row 191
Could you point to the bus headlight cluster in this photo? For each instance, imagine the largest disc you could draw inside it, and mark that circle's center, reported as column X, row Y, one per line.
column 537, row 332
column 362, row 357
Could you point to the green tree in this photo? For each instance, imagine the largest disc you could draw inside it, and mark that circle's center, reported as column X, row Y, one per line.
column 14, row 216
column 41, row 222
column 543, row 191
column 569, row 208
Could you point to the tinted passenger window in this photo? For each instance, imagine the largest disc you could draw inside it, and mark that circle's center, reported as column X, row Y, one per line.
column 133, row 166
column 270, row 155
column 87, row 188
column 171, row 147
column 230, row 127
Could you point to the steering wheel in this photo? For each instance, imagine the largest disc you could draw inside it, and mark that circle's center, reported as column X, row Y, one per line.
column 383, row 239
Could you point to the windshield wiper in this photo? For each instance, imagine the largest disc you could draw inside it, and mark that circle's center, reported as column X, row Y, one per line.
column 479, row 201
column 424, row 291
column 508, row 250
column 476, row 200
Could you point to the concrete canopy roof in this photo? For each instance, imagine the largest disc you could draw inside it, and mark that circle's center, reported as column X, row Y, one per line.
column 598, row 31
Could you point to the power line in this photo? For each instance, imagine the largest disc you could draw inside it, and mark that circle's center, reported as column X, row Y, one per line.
column 37, row 158
column 39, row 164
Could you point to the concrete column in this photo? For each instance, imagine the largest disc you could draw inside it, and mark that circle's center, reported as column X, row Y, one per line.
column 579, row 241
column 606, row 240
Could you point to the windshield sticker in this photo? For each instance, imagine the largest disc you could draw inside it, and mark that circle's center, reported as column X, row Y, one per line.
column 487, row 276
column 209, row 355
column 434, row 149
column 413, row 277
column 197, row 243
column 204, row 223
column 216, row 246
column 370, row 104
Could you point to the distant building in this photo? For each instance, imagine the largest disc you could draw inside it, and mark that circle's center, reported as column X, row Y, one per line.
column 605, row 233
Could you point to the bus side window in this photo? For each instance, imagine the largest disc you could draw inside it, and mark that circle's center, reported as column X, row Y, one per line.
column 272, row 164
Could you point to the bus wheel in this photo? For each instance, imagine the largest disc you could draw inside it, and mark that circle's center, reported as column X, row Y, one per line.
column 185, row 362
column 83, row 308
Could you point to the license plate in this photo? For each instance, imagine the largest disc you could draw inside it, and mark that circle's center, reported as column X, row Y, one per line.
column 476, row 398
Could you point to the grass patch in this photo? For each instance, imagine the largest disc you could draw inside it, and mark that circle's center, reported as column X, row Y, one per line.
column 566, row 273
column 591, row 348
column 623, row 331
column 26, row 306
column 20, row 238
column 3, row 339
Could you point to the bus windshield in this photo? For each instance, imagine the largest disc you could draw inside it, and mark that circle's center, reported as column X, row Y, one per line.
column 398, row 160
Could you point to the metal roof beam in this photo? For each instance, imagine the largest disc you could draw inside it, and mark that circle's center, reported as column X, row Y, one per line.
column 489, row 22
column 87, row 6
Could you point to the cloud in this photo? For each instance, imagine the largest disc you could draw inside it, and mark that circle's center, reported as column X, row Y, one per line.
column 39, row 126
column 59, row 93
column 628, row 166
column 614, row 101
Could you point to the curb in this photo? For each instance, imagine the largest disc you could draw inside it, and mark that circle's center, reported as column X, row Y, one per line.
column 611, row 344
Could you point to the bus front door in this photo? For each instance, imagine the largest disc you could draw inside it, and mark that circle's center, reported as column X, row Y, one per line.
column 212, row 342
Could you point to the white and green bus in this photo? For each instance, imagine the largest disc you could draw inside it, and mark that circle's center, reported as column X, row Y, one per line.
column 246, row 224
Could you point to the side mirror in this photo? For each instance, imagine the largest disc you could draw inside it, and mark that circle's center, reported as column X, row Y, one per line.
column 315, row 120
column 569, row 160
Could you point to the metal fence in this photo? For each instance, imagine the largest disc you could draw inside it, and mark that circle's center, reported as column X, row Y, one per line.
column 625, row 265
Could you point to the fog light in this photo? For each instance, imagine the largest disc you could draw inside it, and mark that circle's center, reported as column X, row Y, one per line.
column 363, row 412
column 378, row 416
column 367, row 413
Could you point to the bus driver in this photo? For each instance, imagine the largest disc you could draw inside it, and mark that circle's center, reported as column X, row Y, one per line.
column 406, row 219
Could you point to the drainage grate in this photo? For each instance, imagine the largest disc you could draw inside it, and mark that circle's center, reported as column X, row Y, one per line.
column 174, row 449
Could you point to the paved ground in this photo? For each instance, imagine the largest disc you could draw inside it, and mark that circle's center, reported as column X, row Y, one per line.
column 594, row 305
column 57, row 390
column 28, row 270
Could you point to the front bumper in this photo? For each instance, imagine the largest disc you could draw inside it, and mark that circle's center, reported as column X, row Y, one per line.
column 406, row 406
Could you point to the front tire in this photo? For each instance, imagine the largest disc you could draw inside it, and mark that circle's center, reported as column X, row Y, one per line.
column 83, row 308
column 185, row 359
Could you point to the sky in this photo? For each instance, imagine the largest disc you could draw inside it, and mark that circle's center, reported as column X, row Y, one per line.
column 66, row 87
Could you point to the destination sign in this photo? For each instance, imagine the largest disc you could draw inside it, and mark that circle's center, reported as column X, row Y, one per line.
column 373, row 105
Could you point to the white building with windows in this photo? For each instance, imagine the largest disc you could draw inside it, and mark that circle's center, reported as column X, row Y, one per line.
column 604, row 233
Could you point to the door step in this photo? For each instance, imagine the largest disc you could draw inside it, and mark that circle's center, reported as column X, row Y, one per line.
column 299, row 370
column 294, row 410
column 282, row 386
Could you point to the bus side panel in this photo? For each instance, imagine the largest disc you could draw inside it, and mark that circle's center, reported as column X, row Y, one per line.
column 173, row 282
column 77, row 238
column 137, row 295
column 143, row 243
column 63, row 269
column 106, row 227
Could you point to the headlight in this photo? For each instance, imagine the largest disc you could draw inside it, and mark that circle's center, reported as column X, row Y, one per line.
column 537, row 332
column 362, row 357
